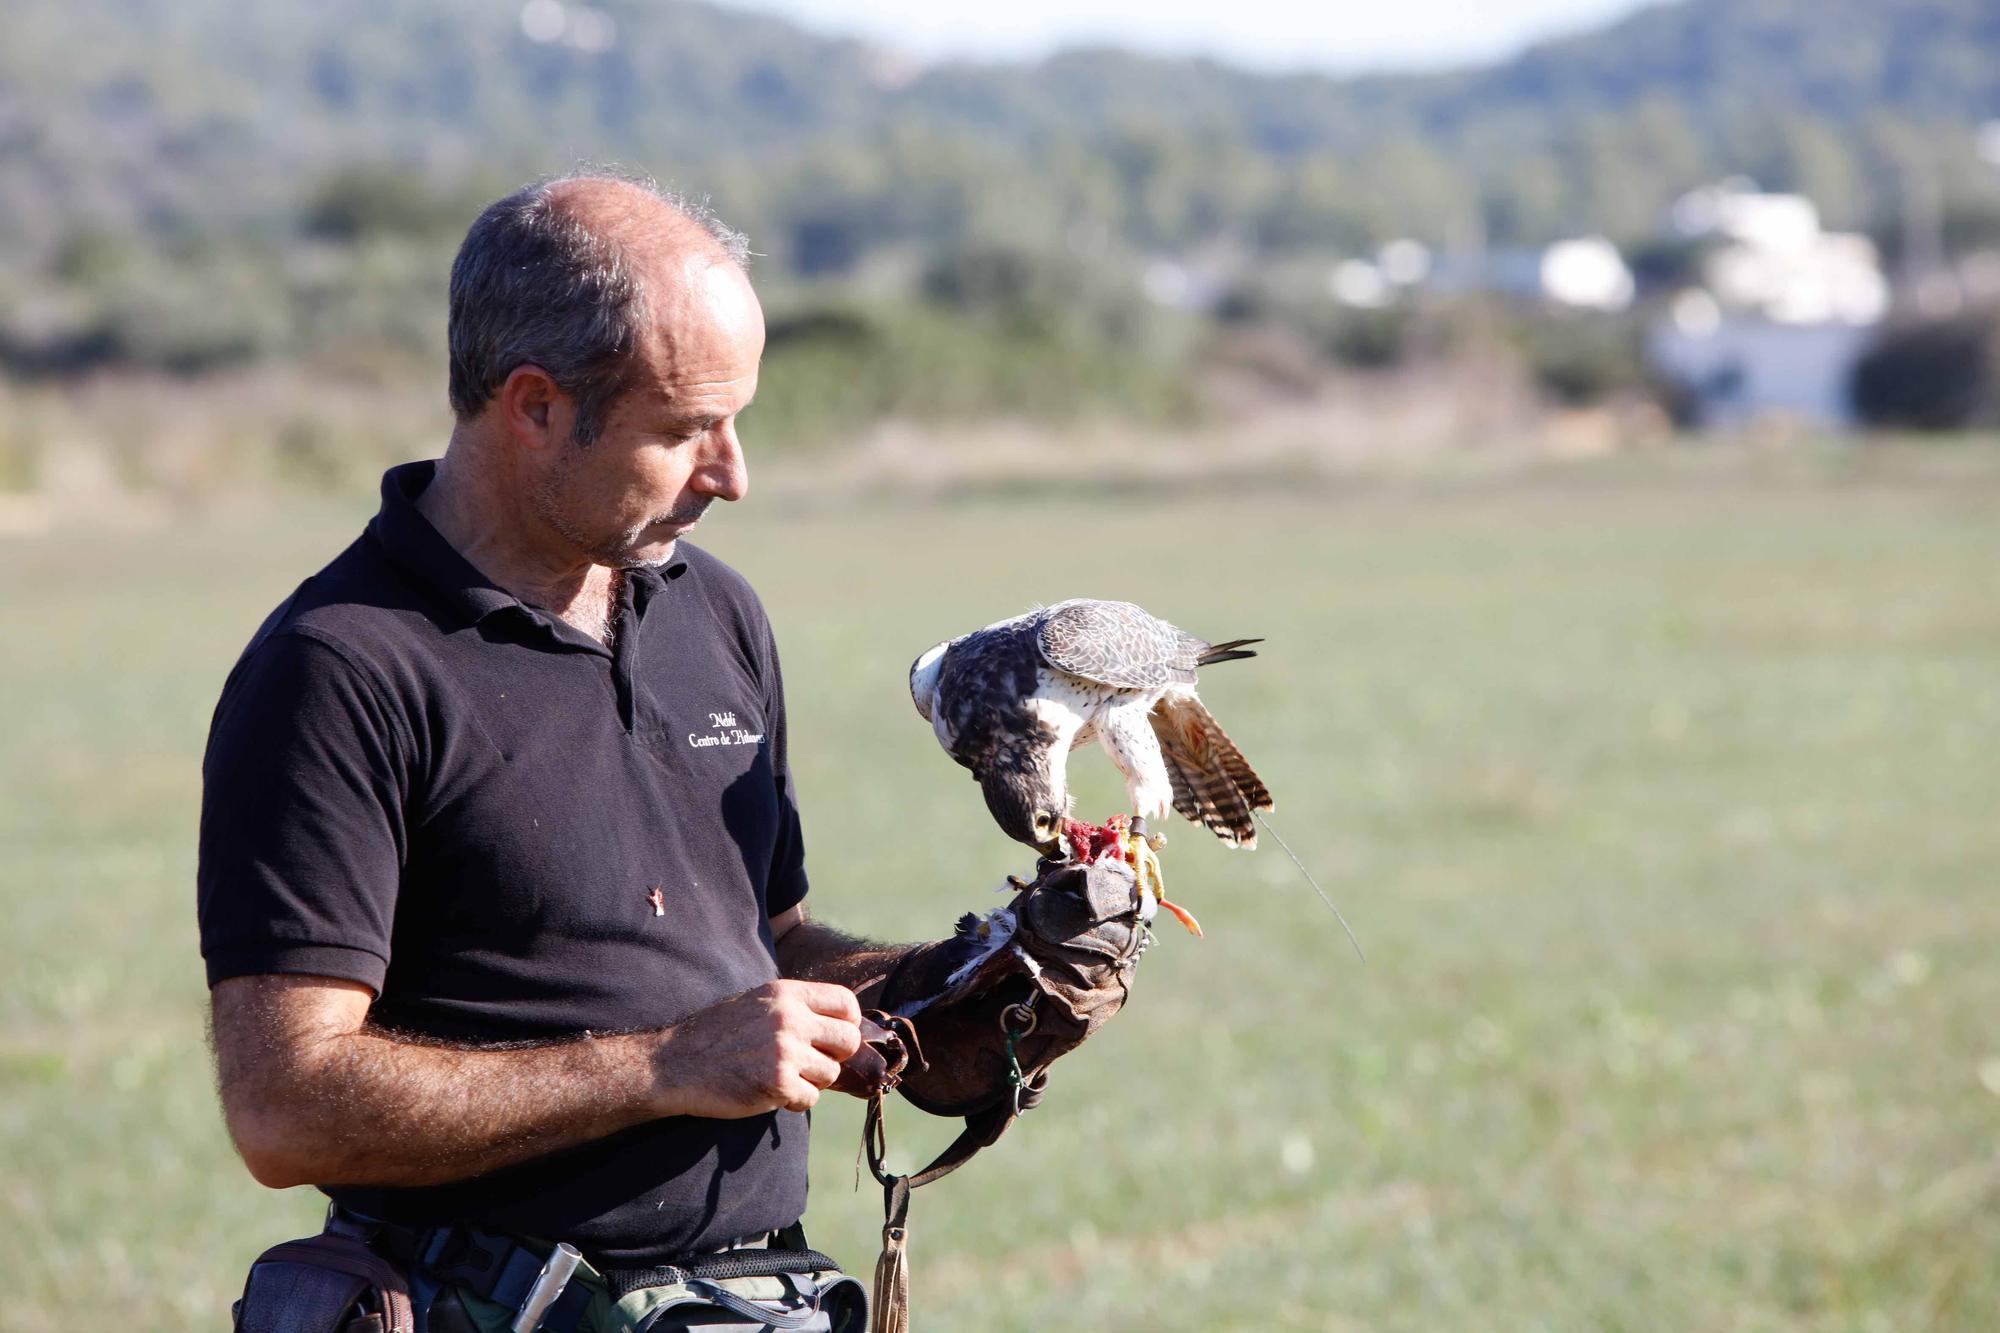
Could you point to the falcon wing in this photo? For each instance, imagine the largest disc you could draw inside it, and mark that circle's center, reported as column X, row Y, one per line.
column 1213, row 784
column 1118, row 644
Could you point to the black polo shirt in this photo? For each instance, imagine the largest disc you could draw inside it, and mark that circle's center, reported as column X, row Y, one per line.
column 510, row 832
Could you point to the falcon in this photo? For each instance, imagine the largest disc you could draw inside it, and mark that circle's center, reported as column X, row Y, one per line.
column 1012, row 700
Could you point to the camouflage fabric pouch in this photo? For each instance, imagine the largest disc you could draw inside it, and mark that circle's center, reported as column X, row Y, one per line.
column 820, row 1302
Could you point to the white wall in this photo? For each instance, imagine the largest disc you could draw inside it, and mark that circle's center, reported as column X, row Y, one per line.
column 1744, row 368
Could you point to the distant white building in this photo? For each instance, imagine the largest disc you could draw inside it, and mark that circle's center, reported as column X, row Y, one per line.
column 1782, row 312
column 1587, row 274
column 1767, row 256
column 1736, row 369
column 1583, row 273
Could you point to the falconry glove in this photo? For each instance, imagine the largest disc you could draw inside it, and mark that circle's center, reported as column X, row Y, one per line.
column 970, row 1025
column 1011, row 992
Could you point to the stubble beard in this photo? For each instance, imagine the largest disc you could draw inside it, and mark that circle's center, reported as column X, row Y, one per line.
column 619, row 552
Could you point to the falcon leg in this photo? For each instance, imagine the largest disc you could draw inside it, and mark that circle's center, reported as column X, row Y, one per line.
column 1142, row 856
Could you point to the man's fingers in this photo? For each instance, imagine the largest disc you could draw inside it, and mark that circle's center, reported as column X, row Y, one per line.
column 800, row 1096
column 837, row 1038
column 824, row 997
column 819, row 1070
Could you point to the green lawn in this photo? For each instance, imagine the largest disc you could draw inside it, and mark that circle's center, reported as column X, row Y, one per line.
column 1660, row 790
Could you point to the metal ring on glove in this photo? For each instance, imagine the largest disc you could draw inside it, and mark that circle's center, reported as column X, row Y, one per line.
column 1018, row 1020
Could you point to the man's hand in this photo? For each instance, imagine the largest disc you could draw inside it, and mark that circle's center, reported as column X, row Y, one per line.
column 776, row 1047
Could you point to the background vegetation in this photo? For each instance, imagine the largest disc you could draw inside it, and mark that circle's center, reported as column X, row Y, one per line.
column 196, row 186
column 1659, row 785
column 1660, row 789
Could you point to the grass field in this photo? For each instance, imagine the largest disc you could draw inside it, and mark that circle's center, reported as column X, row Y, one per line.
column 1662, row 792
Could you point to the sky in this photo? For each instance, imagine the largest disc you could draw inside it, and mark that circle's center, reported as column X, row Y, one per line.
column 1265, row 34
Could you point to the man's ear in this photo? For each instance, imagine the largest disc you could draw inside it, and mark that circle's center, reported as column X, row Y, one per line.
column 537, row 414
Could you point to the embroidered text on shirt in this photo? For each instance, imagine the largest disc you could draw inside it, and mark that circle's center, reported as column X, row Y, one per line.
column 726, row 732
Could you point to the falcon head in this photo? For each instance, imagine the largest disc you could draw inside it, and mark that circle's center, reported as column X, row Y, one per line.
column 1022, row 799
column 1020, row 792
column 924, row 673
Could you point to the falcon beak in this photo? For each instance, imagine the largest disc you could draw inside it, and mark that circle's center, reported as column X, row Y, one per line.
column 1048, row 832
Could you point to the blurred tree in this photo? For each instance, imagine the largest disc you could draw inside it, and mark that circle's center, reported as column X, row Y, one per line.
column 1580, row 358
column 1932, row 375
column 383, row 199
column 326, row 157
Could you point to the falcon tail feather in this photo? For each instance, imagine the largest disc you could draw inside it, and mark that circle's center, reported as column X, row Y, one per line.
column 1315, row 884
column 1213, row 784
column 1233, row 651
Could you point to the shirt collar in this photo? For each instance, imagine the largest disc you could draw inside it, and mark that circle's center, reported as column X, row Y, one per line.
column 421, row 549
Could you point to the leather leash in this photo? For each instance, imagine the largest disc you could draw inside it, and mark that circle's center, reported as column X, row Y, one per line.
column 893, row 1042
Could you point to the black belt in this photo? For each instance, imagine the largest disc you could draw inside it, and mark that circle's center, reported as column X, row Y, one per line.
column 785, row 1252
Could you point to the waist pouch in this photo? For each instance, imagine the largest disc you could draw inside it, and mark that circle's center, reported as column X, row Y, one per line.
column 324, row 1284
column 710, row 1296
column 338, row 1282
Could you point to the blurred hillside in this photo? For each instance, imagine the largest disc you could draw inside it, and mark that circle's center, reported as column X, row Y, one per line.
column 192, row 187
column 179, row 117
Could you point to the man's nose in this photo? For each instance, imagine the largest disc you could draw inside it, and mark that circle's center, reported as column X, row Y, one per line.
column 723, row 473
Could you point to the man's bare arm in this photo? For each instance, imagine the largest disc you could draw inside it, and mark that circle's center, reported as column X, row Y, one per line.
column 314, row 1095
column 813, row 951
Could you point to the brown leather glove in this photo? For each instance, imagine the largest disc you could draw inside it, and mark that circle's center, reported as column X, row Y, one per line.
column 1040, row 975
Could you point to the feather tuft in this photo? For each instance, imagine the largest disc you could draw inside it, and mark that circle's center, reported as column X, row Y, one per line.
column 1233, row 651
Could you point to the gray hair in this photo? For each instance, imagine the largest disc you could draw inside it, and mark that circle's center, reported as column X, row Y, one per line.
column 533, row 284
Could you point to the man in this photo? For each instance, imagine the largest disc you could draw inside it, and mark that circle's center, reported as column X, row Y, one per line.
column 501, row 884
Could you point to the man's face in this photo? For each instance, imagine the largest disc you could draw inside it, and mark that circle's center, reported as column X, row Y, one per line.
column 668, row 447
